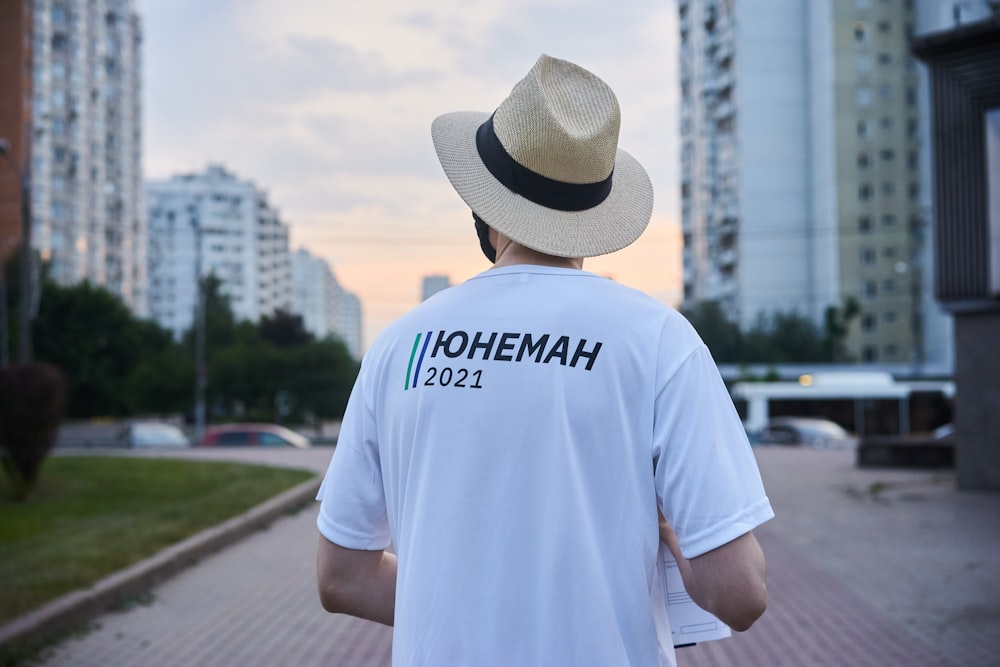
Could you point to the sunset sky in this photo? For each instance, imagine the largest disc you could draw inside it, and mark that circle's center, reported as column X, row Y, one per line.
column 327, row 105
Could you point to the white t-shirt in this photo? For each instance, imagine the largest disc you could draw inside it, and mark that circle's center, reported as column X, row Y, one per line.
column 512, row 438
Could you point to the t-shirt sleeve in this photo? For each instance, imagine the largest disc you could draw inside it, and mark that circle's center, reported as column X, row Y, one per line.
column 708, row 484
column 352, row 500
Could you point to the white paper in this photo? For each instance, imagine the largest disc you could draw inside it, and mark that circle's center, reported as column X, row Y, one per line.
column 689, row 623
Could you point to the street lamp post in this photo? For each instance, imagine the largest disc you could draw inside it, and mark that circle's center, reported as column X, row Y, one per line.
column 26, row 287
column 201, row 373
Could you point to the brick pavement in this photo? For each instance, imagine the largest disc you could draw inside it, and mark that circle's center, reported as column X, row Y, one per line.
column 865, row 567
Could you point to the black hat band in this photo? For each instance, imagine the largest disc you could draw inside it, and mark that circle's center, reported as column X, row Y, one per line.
column 532, row 186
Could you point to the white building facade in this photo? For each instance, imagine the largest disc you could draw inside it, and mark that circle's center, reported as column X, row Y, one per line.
column 213, row 223
column 88, row 218
column 801, row 171
column 326, row 308
column 433, row 284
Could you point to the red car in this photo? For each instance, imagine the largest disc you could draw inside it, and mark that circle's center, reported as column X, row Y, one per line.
column 252, row 435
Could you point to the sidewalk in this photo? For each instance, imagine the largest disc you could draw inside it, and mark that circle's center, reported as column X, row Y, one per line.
column 865, row 567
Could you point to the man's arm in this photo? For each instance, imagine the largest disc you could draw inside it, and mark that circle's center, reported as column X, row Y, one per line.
column 728, row 581
column 355, row 582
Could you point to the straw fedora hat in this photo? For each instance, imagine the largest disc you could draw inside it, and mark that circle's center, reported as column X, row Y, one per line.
column 545, row 169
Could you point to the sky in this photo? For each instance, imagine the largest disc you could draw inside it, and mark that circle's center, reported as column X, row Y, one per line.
column 326, row 105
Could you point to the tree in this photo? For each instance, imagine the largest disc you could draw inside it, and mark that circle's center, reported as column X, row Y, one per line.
column 324, row 376
column 96, row 340
column 784, row 337
column 776, row 338
column 32, row 401
column 722, row 336
column 221, row 326
column 836, row 325
column 284, row 329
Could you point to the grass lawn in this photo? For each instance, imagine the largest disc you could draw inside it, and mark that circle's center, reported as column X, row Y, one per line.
column 90, row 516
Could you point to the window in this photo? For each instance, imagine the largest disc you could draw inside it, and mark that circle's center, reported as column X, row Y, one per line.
column 891, row 350
column 889, row 252
column 884, row 59
column 865, row 192
column 864, row 97
column 869, row 322
column 862, row 129
column 888, row 155
column 59, row 16
column 890, row 317
column 885, row 122
column 234, row 438
column 860, row 32
column 870, row 289
column 888, row 220
column 868, row 256
column 864, row 64
column 270, row 440
column 914, row 190
column 862, row 160
column 889, row 188
column 869, row 353
column 885, row 91
column 864, row 224
column 884, row 26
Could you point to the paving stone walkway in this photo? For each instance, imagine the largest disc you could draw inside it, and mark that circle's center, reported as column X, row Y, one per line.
column 865, row 567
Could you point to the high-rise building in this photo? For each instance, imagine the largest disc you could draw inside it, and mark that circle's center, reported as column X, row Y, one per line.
column 212, row 223
column 432, row 285
column 86, row 144
column 349, row 322
column 802, row 183
column 327, row 309
column 15, row 118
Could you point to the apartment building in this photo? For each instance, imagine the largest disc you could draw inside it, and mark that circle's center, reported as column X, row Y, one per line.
column 213, row 223
column 88, row 219
column 803, row 178
column 431, row 285
column 327, row 309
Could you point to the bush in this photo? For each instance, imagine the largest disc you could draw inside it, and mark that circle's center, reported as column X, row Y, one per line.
column 32, row 401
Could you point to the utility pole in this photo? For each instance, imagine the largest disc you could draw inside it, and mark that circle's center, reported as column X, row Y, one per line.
column 201, row 374
column 25, row 314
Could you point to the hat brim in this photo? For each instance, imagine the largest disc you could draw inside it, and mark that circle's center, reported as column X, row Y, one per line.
column 611, row 225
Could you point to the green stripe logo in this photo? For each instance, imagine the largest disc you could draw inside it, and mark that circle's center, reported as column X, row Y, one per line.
column 409, row 367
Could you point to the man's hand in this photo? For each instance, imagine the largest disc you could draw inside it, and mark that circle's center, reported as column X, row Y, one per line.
column 728, row 581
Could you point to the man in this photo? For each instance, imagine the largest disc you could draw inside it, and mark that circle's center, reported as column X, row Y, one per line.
column 514, row 437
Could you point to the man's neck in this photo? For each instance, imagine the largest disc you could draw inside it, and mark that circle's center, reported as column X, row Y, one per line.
column 515, row 253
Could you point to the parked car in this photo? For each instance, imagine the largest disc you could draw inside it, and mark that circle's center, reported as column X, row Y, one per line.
column 252, row 435
column 151, row 434
column 808, row 431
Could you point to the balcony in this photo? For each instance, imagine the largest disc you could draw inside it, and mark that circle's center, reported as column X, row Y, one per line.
column 727, row 258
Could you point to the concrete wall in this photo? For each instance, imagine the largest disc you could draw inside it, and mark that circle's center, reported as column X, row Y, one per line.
column 977, row 400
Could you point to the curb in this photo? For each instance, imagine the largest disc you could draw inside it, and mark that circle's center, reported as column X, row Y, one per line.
column 79, row 607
